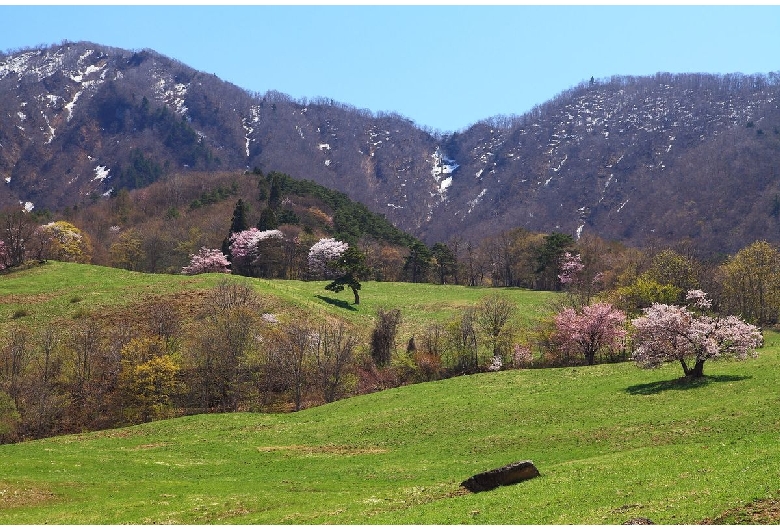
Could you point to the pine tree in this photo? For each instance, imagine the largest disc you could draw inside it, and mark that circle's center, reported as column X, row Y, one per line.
column 239, row 222
column 352, row 264
column 268, row 220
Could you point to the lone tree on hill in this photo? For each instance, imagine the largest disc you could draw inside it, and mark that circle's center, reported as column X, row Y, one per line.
column 352, row 267
column 493, row 313
column 668, row 333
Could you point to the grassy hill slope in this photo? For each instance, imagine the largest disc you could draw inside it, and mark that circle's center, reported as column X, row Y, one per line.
column 69, row 290
column 612, row 442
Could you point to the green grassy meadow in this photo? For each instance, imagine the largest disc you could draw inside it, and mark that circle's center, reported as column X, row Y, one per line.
column 612, row 442
column 67, row 290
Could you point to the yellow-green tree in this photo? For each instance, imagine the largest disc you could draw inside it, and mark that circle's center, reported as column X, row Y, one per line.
column 127, row 252
column 671, row 268
column 63, row 241
column 751, row 283
column 644, row 292
column 149, row 379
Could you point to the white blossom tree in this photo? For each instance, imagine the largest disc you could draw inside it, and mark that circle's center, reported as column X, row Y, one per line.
column 63, row 241
column 244, row 247
column 669, row 333
column 207, row 260
column 323, row 254
column 577, row 280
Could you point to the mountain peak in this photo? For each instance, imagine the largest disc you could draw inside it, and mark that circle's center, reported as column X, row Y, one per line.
column 666, row 157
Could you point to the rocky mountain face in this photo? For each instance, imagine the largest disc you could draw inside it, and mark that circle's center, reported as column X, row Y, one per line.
column 663, row 158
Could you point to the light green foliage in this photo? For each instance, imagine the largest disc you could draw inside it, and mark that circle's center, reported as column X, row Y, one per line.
column 644, row 292
column 65, row 242
column 670, row 268
column 127, row 251
column 149, row 379
column 751, row 281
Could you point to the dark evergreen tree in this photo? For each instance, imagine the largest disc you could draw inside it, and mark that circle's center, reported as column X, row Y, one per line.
column 418, row 262
column 239, row 222
column 446, row 262
column 267, row 220
column 275, row 195
column 352, row 263
column 548, row 259
column 287, row 217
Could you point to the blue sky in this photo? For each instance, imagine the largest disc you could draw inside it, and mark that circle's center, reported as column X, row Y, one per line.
column 443, row 66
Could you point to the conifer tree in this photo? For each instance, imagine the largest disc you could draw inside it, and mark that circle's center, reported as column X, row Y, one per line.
column 352, row 264
column 268, row 220
column 239, row 222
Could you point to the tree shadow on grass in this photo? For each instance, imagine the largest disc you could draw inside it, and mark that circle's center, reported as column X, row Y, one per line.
column 343, row 304
column 682, row 383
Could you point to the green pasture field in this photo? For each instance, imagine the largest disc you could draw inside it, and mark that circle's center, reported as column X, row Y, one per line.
column 612, row 442
column 68, row 290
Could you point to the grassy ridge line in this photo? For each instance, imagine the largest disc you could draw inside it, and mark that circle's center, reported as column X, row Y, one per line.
column 611, row 441
column 48, row 291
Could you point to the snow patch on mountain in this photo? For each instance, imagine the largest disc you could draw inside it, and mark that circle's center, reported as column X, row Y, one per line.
column 474, row 202
column 101, row 173
column 51, row 129
column 442, row 170
column 173, row 96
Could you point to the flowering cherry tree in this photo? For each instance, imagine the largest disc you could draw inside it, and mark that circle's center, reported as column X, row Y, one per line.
column 668, row 333
column 571, row 268
column 243, row 246
column 592, row 329
column 323, row 254
column 207, row 260
column 576, row 280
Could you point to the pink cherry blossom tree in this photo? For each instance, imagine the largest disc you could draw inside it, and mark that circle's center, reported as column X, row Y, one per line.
column 669, row 333
column 576, row 280
column 571, row 268
column 207, row 260
column 594, row 328
column 244, row 247
column 323, row 254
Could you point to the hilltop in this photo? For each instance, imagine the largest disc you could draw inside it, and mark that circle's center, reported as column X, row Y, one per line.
column 642, row 160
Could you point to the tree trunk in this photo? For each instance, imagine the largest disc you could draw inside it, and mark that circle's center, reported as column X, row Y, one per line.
column 357, row 296
column 590, row 356
column 696, row 371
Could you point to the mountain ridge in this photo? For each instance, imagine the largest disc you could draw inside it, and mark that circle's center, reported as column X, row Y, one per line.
column 667, row 158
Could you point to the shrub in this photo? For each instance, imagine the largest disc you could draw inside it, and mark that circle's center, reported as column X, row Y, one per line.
column 383, row 336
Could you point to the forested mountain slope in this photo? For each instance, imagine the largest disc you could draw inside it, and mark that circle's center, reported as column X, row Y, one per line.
column 664, row 158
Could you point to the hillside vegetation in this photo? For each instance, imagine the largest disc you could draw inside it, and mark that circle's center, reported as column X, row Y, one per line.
column 612, row 442
column 87, row 348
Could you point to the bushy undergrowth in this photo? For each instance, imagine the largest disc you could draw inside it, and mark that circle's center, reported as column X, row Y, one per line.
column 132, row 347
